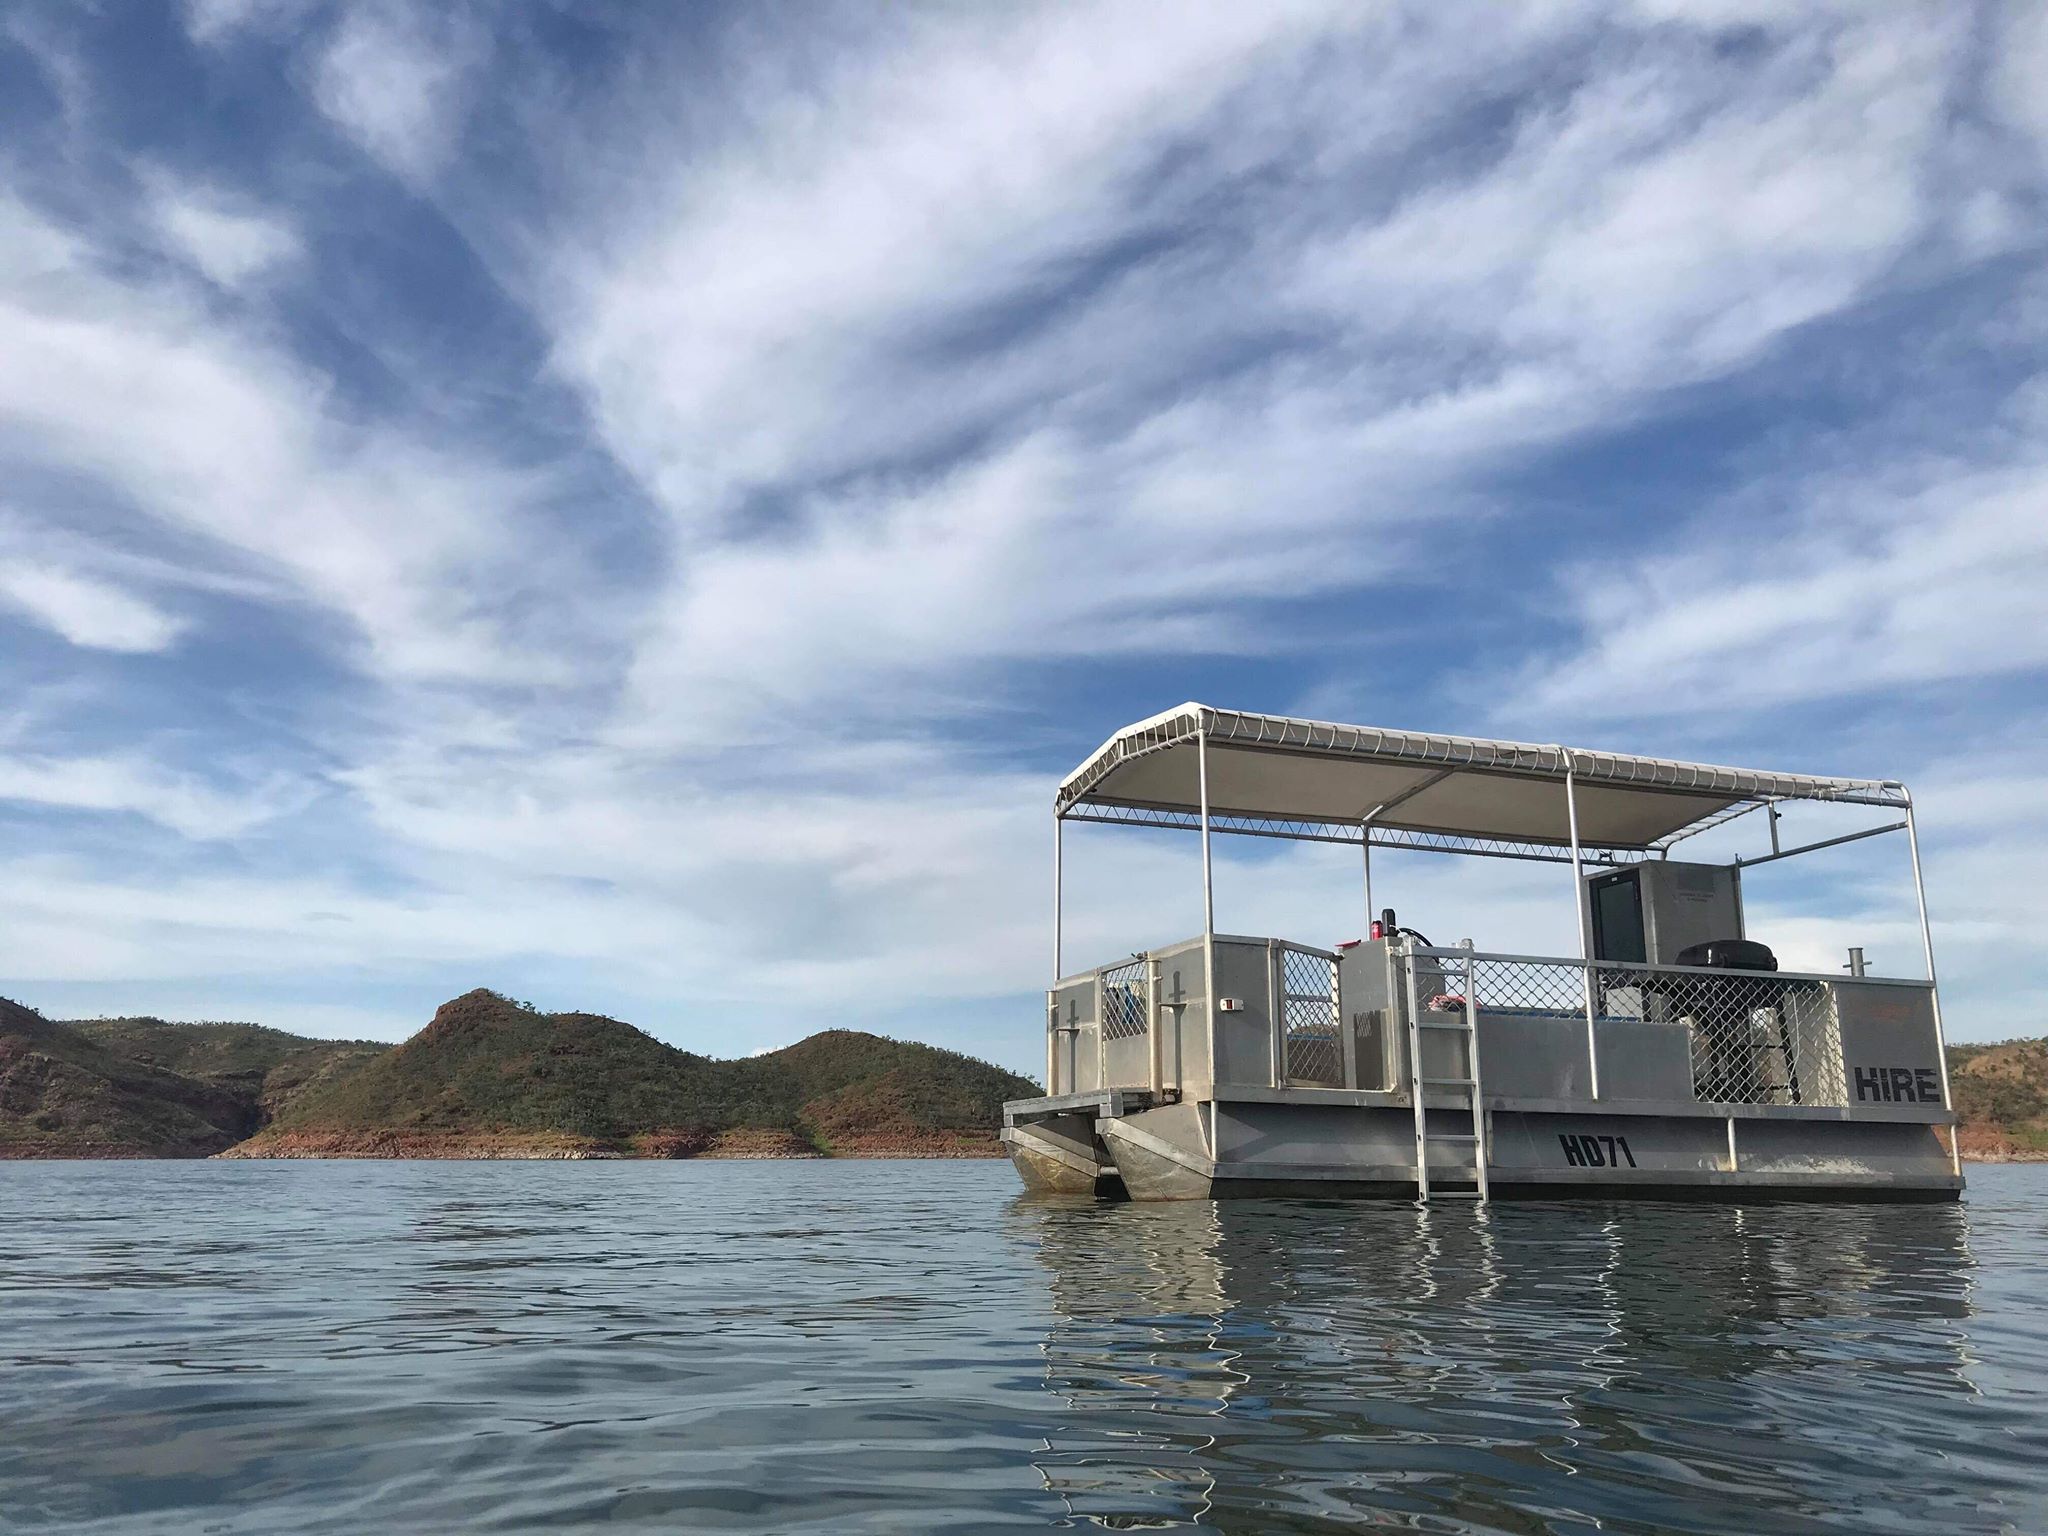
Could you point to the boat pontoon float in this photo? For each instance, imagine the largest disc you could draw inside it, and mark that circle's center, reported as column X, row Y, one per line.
column 1669, row 1057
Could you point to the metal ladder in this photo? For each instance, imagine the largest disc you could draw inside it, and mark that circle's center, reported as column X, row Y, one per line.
column 1468, row 1026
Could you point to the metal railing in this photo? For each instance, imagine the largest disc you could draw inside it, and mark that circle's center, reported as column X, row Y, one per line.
column 1126, row 990
column 1102, row 1026
column 1753, row 1037
column 1311, row 1050
column 1750, row 1037
column 1105, row 1025
column 1756, row 1037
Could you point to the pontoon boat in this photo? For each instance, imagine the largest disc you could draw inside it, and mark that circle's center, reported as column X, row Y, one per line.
column 1670, row 1057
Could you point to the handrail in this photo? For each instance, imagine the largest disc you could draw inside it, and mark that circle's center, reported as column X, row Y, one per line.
column 1792, row 1056
column 1306, row 949
column 1439, row 952
column 1443, row 952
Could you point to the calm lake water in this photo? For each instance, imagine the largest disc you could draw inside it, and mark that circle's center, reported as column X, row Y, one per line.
column 918, row 1347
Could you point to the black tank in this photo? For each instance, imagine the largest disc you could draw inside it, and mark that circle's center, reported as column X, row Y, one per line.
column 1730, row 955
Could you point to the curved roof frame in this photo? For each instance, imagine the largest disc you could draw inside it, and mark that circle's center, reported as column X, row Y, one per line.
column 1286, row 777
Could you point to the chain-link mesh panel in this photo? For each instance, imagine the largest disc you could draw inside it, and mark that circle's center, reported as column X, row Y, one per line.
column 1308, row 1000
column 1124, row 1003
column 1754, row 1039
column 1529, row 986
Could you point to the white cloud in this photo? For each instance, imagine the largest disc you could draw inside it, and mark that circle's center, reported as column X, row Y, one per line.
column 213, row 22
column 187, row 805
column 1873, row 584
column 83, row 610
column 2020, row 67
column 395, row 76
column 776, row 325
column 220, row 436
column 78, row 924
column 1672, row 216
column 227, row 240
column 962, row 161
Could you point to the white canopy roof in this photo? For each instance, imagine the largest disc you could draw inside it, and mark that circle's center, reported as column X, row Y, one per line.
column 1266, row 770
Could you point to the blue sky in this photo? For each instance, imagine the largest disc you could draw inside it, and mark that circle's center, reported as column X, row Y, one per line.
column 638, row 506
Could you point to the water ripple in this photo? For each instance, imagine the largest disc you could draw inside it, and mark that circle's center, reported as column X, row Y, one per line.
column 888, row 1347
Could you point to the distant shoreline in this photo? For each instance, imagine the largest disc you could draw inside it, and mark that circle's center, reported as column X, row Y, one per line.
column 995, row 1153
column 988, row 1151
column 777, row 1147
column 761, row 1143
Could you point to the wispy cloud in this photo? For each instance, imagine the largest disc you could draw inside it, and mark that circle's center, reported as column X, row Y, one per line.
column 1872, row 584
column 85, row 611
column 654, row 503
column 217, row 21
column 229, row 241
column 223, row 437
column 2021, row 54
column 188, row 805
column 810, row 326
column 395, row 76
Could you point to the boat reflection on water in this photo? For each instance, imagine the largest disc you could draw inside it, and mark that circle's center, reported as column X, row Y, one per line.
column 1277, row 1365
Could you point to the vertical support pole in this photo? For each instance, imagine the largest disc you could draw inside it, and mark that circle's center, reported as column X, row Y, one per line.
column 1365, row 842
column 1208, row 903
column 1052, row 1043
column 1101, row 1035
column 1154, row 1011
column 1347, row 1035
column 1390, row 1041
column 1058, row 828
column 1208, row 880
column 1955, row 1146
column 1571, row 810
column 1052, row 1007
column 1276, row 1010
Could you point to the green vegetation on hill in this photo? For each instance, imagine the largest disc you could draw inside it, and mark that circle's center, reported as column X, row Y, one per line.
column 64, row 1094
column 486, row 1068
column 2001, row 1092
column 488, row 1065
column 855, row 1083
column 267, row 1066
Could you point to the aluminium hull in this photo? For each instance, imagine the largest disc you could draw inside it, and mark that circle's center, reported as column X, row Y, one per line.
column 1338, row 1147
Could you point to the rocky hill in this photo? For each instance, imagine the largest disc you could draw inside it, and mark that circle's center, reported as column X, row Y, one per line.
column 64, row 1094
column 490, row 1077
column 2001, row 1091
column 268, row 1067
column 846, row 1090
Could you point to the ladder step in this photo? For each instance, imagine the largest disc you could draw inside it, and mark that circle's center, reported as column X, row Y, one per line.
column 1447, row 1136
column 1448, row 1082
column 1455, row 1194
column 1459, row 1025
